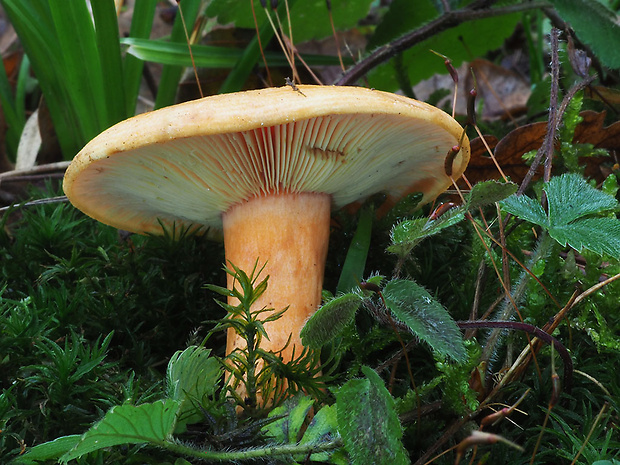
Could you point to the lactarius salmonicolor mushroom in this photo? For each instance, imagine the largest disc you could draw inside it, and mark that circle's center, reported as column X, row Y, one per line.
column 267, row 166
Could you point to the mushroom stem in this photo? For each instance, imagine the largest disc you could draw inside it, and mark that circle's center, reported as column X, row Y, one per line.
column 290, row 233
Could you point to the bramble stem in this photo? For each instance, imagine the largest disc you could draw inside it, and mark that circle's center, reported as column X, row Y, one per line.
column 252, row 453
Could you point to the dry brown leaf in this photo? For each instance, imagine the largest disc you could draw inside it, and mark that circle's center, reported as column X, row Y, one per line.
column 509, row 151
column 504, row 92
column 481, row 166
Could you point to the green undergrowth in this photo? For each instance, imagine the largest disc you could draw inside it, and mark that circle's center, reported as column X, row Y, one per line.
column 112, row 347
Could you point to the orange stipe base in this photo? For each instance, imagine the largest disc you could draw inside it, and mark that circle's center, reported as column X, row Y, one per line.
column 290, row 233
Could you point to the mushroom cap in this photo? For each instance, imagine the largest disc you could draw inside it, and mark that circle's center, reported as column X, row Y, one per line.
column 186, row 164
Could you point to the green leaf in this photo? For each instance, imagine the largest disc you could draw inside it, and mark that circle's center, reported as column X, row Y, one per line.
column 49, row 450
column 109, row 50
column 600, row 235
column 427, row 318
column 570, row 197
column 403, row 16
column 408, row 234
column 287, row 430
column 610, row 185
column 572, row 203
column 354, row 264
column 488, row 192
column 191, row 378
column 171, row 75
column 526, row 208
column 595, row 25
column 479, row 37
column 322, row 428
column 129, row 424
column 310, row 18
column 330, row 320
column 182, row 462
column 141, row 26
column 368, row 423
column 206, row 56
column 571, row 118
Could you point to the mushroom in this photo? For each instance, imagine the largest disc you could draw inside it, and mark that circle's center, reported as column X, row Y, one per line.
column 267, row 166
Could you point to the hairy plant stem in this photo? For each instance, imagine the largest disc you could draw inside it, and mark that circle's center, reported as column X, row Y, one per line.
column 555, row 115
column 268, row 451
column 476, row 10
column 542, row 250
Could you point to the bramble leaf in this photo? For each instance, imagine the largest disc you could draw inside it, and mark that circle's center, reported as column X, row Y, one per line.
column 526, row 208
column 570, row 197
column 191, row 377
column 572, row 203
column 600, row 235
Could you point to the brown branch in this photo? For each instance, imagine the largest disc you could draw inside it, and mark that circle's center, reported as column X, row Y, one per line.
column 450, row 19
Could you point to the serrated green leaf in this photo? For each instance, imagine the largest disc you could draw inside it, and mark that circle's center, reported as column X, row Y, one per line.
column 192, row 377
column 427, row 318
column 368, row 423
column 488, row 192
column 129, row 424
column 570, row 197
column 287, row 430
column 525, row 208
column 330, row 320
column 600, row 235
column 595, row 25
column 571, row 202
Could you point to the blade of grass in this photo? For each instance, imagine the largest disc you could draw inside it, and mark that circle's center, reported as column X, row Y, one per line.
column 206, row 56
column 32, row 22
column 354, row 264
column 81, row 66
column 20, row 91
column 14, row 119
column 141, row 25
column 110, row 64
column 171, row 75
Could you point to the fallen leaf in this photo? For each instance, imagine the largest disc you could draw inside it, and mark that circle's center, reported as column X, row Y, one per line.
column 509, row 151
column 502, row 91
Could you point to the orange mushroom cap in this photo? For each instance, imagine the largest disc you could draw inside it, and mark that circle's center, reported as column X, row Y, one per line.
column 188, row 163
